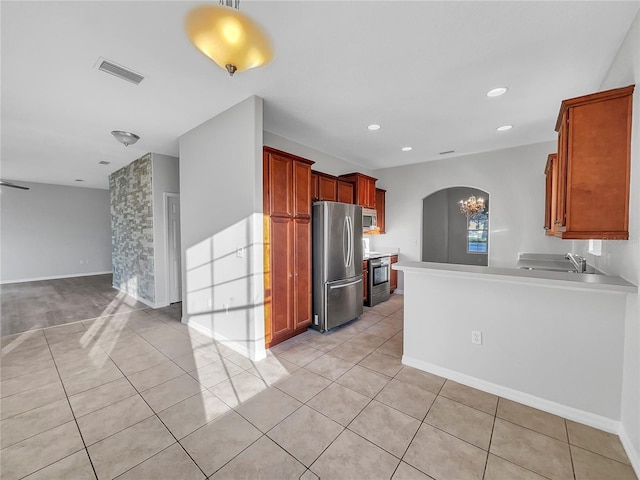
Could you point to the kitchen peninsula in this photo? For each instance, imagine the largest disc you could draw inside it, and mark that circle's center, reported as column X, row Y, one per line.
column 551, row 340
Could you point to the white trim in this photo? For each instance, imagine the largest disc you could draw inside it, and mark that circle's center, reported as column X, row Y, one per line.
column 235, row 346
column 55, row 277
column 397, row 291
column 571, row 413
column 167, row 280
column 632, row 454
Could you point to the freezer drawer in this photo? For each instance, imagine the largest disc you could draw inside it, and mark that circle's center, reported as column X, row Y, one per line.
column 343, row 301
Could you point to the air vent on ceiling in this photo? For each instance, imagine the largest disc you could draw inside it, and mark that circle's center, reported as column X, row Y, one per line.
column 102, row 162
column 119, row 71
column 448, row 151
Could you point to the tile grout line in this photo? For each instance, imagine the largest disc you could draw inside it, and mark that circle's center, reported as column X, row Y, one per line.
column 493, row 426
column 163, row 424
column 72, row 413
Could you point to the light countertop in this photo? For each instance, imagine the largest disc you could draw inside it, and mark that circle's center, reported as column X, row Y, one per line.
column 539, row 277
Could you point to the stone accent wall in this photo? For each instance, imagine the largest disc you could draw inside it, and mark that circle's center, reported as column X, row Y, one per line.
column 132, row 229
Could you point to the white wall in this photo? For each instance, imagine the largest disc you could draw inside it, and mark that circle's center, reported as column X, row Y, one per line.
column 221, row 211
column 623, row 257
column 513, row 177
column 165, row 178
column 53, row 231
column 323, row 161
column 552, row 347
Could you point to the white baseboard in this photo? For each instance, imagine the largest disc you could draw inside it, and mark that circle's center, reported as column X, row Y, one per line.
column 235, row 346
column 56, row 277
column 632, row 453
column 397, row 291
column 571, row 413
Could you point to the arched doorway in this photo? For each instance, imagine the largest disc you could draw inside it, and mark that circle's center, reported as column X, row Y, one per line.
column 449, row 236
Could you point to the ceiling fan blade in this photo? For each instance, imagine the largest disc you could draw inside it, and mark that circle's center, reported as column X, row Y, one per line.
column 12, row 185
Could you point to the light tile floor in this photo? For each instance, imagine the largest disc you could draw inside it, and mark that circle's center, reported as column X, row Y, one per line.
column 138, row 395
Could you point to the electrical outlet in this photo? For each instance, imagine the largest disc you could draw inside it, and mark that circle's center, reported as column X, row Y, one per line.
column 209, row 302
column 240, row 252
column 226, row 307
column 476, row 337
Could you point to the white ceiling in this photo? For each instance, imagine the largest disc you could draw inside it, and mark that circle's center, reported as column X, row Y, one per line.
column 420, row 69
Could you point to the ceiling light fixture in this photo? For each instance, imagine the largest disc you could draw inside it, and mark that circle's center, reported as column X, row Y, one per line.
column 374, row 127
column 228, row 37
column 126, row 138
column 407, row 149
column 504, row 128
column 496, row 92
column 472, row 206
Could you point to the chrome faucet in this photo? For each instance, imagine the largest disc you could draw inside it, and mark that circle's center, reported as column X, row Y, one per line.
column 580, row 263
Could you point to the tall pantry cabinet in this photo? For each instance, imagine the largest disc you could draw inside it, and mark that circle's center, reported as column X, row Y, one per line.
column 287, row 245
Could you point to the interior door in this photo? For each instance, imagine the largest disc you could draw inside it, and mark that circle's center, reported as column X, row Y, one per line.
column 174, row 269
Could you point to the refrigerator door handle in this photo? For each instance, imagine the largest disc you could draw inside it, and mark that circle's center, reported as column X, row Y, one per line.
column 345, row 237
column 351, row 241
column 333, row 287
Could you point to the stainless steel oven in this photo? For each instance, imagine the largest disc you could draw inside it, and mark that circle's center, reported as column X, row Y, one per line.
column 378, row 279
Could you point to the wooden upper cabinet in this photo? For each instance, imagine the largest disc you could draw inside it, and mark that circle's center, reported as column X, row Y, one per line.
column 287, row 183
column 380, row 207
column 551, row 191
column 314, row 187
column 301, row 189
column 325, row 187
column 280, row 184
column 328, row 188
column 364, row 189
column 594, row 150
column 345, row 192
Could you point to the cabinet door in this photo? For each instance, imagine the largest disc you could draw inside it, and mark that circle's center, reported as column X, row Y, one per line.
column 365, row 280
column 393, row 275
column 362, row 191
column 380, row 207
column 280, row 186
column 315, row 191
column 345, row 192
column 551, row 192
column 327, row 188
column 371, row 193
column 281, row 276
column 302, row 272
column 301, row 189
column 561, row 193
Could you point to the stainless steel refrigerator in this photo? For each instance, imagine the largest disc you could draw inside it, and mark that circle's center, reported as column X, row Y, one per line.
column 337, row 264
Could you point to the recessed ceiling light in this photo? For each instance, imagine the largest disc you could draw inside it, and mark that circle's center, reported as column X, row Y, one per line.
column 496, row 92
column 407, row 149
column 374, row 127
column 504, row 128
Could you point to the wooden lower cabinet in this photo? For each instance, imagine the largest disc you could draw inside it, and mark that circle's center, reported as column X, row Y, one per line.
column 365, row 278
column 393, row 275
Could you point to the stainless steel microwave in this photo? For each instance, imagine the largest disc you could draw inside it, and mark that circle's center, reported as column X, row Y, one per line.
column 369, row 219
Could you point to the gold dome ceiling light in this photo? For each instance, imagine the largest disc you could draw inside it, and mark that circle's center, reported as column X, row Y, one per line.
column 228, row 37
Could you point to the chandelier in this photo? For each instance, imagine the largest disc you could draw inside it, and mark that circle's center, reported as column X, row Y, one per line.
column 228, row 37
column 472, row 206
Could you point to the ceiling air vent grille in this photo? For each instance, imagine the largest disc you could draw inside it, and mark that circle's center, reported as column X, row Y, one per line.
column 119, row 71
